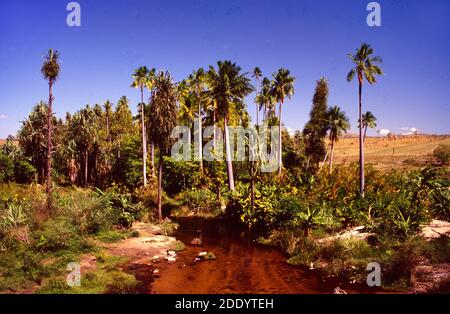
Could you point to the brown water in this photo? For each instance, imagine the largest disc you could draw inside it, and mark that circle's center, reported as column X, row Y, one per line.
column 242, row 266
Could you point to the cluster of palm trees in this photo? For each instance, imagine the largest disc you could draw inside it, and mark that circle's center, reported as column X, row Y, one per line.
column 216, row 96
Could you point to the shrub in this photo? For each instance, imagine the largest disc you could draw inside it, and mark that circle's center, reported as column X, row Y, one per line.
column 179, row 175
column 91, row 211
column 442, row 154
column 201, row 202
column 6, row 168
column 24, row 171
column 168, row 227
column 177, row 246
column 110, row 236
column 57, row 235
column 55, row 286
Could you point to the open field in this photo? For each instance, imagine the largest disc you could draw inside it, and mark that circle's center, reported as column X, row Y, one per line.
column 404, row 152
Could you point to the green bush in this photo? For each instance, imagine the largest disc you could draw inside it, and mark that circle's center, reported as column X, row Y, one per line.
column 24, row 171
column 201, row 202
column 177, row 246
column 91, row 211
column 179, row 175
column 6, row 168
column 57, row 235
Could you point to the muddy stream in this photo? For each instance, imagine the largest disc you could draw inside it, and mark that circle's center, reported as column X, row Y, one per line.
column 241, row 266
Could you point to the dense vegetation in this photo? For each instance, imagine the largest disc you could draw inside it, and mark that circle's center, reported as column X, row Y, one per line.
column 97, row 182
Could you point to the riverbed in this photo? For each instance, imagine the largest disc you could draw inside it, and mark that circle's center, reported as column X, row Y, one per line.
column 241, row 265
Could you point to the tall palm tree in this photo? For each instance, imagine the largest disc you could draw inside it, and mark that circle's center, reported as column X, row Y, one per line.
column 368, row 120
column 337, row 123
column 257, row 74
column 50, row 70
column 197, row 81
column 107, row 106
column 283, row 87
column 227, row 87
column 163, row 118
column 366, row 69
column 140, row 80
column 186, row 110
column 150, row 80
column 265, row 99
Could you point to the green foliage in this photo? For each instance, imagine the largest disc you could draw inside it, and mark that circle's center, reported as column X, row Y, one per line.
column 100, row 281
column 128, row 168
column 209, row 256
column 89, row 210
column 177, row 246
column 179, row 176
column 56, row 235
column 110, row 236
column 24, row 171
column 6, row 168
column 167, row 227
column 200, row 202
column 14, row 215
column 316, row 129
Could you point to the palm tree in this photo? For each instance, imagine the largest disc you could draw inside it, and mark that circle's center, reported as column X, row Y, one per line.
column 107, row 106
column 364, row 68
column 368, row 120
column 337, row 123
column 197, row 80
column 140, row 80
column 163, row 118
column 50, row 70
column 187, row 110
column 283, row 87
column 257, row 74
column 265, row 99
column 227, row 87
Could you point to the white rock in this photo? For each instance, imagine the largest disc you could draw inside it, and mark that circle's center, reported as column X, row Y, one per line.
column 202, row 253
column 156, row 257
column 171, row 259
column 156, row 271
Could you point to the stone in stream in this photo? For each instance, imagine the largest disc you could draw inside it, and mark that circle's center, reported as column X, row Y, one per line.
column 196, row 241
column 338, row 290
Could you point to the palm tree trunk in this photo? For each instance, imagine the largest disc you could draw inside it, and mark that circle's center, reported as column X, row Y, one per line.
column 331, row 155
column 160, row 169
column 280, row 162
column 365, row 131
column 200, row 138
column 152, row 158
column 361, row 145
column 257, row 107
column 228, row 156
column 86, row 164
column 49, row 141
column 108, row 135
column 214, row 124
column 144, row 142
column 252, row 191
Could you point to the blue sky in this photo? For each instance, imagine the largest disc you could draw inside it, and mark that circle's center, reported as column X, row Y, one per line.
column 311, row 38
